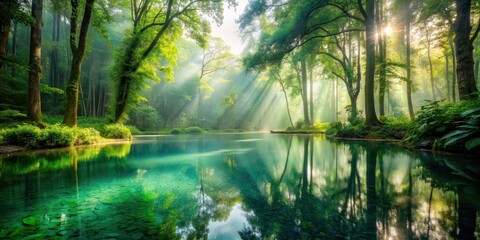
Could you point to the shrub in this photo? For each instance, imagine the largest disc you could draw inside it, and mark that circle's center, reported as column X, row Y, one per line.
column 144, row 117
column 26, row 136
column 116, row 131
column 176, row 131
column 57, row 136
column 445, row 125
column 194, row 130
column 86, row 136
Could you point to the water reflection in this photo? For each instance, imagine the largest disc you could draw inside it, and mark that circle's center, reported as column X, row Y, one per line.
column 247, row 186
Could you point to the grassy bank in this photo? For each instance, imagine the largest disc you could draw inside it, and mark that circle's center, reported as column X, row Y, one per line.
column 438, row 126
column 15, row 130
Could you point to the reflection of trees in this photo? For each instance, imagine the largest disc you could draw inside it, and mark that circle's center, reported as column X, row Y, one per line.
column 457, row 175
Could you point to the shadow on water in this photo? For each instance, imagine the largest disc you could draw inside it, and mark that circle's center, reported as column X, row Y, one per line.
column 245, row 186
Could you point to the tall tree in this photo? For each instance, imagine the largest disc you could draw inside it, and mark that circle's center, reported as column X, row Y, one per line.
column 408, row 60
column 78, row 51
column 156, row 25
column 464, row 49
column 34, row 106
column 369, row 15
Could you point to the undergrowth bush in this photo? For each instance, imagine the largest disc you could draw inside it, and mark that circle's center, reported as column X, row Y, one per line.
column 86, row 136
column 176, row 131
column 116, row 131
column 57, row 136
column 194, row 130
column 26, row 136
column 445, row 125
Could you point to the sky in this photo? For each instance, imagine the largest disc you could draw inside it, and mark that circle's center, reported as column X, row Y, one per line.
column 229, row 31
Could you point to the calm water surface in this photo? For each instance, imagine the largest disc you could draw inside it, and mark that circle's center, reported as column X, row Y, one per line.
column 239, row 186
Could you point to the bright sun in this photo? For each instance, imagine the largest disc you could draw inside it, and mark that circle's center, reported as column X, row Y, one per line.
column 388, row 30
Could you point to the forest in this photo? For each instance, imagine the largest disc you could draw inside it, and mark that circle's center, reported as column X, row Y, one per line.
column 76, row 72
column 236, row 119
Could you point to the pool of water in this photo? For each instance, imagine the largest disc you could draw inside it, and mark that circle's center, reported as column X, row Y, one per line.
column 239, row 186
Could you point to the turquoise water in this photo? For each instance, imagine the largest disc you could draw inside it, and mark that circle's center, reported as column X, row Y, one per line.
column 239, row 186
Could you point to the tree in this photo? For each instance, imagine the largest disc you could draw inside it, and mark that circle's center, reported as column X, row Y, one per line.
column 464, row 49
column 12, row 10
column 156, row 25
column 369, row 15
column 78, row 51
column 34, row 106
column 215, row 57
column 408, row 56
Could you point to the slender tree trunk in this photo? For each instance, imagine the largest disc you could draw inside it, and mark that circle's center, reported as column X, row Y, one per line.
column 370, row 115
column 382, row 78
column 454, row 67
column 78, row 51
column 14, row 48
column 409, row 68
column 464, row 50
column 312, row 117
column 429, row 56
column 447, row 73
column 34, row 106
column 335, row 99
column 305, row 92
column 288, row 105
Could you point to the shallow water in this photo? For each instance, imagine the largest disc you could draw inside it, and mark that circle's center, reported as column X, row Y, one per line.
column 239, row 186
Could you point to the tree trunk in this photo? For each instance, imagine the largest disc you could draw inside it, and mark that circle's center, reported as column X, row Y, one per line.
column 382, row 78
column 14, row 48
column 78, row 51
column 454, row 67
column 288, row 105
column 303, row 65
column 429, row 56
column 129, row 66
column 464, row 50
column 4, row 32
column 476, row 68
column 34, row 109
column 312, row 117
column 409, row 68
column 370, row 115
column 447, row 70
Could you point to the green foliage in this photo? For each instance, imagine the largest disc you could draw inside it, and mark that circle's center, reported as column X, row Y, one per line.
column 26, row 136
column 468, row 130
column 144, row 117
column 194, row 130
column 32, row 137
column 116, row 131
column 8, row 116
column 447, row 126
column 86, row 136
column 57, row 136
column 176, row 131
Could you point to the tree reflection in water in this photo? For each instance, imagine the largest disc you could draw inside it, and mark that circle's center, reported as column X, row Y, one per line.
column 274, row 187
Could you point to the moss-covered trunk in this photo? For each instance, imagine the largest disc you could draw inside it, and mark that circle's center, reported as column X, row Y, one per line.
column 34, row 106
column 78, row 51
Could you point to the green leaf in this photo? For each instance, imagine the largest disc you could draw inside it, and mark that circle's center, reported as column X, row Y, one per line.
column 472, row 143
column 30, row 221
